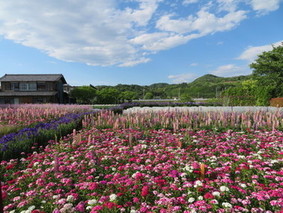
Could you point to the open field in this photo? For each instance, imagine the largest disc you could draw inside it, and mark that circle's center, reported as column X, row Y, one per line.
column 154, row 162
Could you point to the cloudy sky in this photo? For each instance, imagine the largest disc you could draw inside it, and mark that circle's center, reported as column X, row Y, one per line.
column 109, row 42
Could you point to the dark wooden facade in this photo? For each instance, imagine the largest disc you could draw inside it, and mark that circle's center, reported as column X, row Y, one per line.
column 35, row 88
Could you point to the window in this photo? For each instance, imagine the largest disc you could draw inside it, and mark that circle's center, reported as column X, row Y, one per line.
column 41, row 86
column 6, row 86
column 15, row 86
column 27, row 86
column 32, row 86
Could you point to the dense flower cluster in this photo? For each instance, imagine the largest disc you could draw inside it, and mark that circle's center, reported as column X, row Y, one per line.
column 14, row 142
column 26, row 114
column 139, row 171
column 188, row 119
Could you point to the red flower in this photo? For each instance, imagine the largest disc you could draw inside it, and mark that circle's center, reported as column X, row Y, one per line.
column 92, row 186
column 37, row 211
column 144, row 191
column 208, row 196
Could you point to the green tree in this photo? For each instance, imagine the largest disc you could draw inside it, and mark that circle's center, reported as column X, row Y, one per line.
column 185, row 97
column 84, row 94
column 268, row 70
column 148, row 95
column 128, row 95
column 108, row 95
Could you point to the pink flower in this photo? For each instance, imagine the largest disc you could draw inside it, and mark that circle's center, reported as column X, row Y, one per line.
column 144, row 191
column 136, row 200
column 96, row 209
column 80, row 207
column 92, row 186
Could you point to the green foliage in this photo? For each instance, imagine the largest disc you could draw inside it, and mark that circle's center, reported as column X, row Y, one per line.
column 84, row 94
column 6, row 129
column 148, row 95
column 128, row 95
column 185, row 97
column 108, row 95
column 268, row 70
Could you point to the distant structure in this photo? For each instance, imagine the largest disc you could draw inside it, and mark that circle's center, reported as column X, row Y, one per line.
column 32, row 88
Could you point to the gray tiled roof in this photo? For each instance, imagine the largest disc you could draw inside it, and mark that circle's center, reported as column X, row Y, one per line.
column 32, row 77
column 32, row 93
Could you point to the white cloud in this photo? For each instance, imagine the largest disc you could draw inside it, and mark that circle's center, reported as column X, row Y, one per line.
column 187, row 2
column 91, row 32
column 134, row 62
column 115, row 32
column 204, row 23
column 251, row 53
column 181, row 78
column 230, row 70
column 264, row 5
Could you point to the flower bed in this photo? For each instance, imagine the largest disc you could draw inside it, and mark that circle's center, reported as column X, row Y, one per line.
column 26, row 114
column 216, row 120
column 130, row 170
column 16, row 117
column 11, row 145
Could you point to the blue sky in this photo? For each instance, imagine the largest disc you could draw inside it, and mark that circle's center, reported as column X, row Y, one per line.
column 136, row 41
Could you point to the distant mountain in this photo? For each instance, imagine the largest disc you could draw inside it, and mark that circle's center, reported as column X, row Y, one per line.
column 206, row 86
column 209, row 86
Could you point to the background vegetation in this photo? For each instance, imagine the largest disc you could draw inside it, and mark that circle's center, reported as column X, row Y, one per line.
column 264, row 83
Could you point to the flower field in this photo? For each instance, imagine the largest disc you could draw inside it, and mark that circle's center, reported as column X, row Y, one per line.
column 15, row 117
column 26, row 114
column 117, row 165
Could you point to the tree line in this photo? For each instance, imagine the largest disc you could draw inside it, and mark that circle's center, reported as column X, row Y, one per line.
column 265, row 82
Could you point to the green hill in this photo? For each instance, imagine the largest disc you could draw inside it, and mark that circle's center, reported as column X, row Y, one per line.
column 207, row 86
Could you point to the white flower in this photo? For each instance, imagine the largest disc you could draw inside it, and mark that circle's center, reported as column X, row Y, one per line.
column 92, row 202
column 133, row 211
column 200, row 197
column 217, row 194
column 226, row 205
column 191, row 200
column 144, row 146
column 112, row 197
column 243, row 185
column 189, row 168
column 70, row 198
column 198, row 183
column 31, row 208
column 214, row 201
column 55, row 197
column 224, row 189
column 68, row 206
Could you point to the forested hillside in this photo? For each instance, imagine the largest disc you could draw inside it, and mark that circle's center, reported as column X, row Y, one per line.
column 207, row 86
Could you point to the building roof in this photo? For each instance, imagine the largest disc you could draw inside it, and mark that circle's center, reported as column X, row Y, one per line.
column 31, row 93
column 32, row 77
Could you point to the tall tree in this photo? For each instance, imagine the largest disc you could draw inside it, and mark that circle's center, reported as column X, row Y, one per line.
column 84, row 94
column 108, row 95
column 268, row 70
